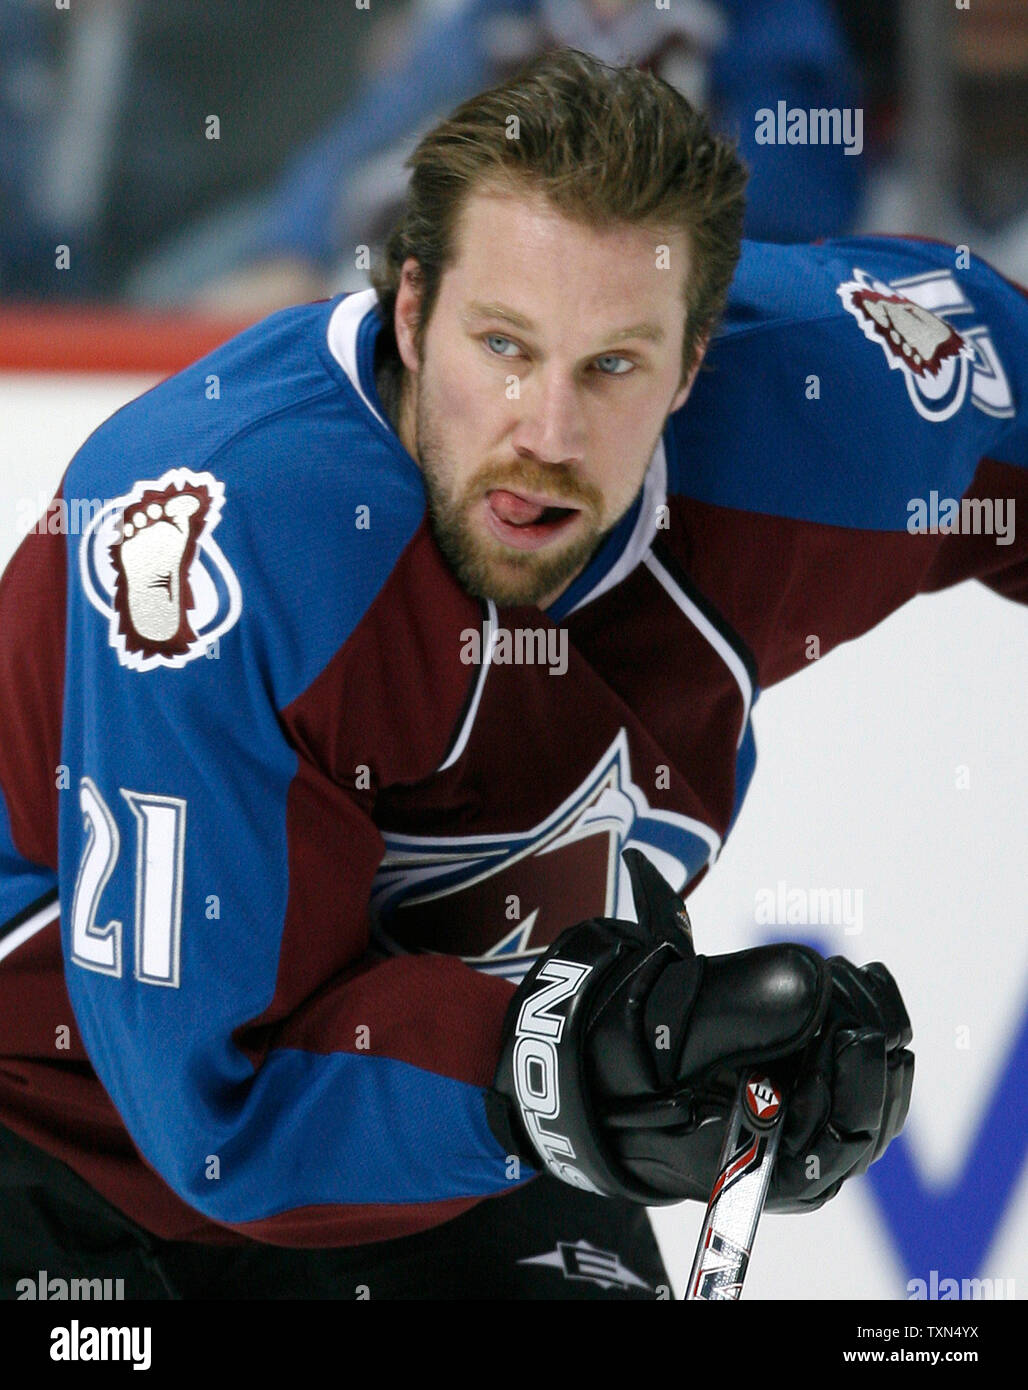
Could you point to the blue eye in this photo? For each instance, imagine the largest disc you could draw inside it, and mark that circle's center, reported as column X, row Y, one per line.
column 613, row 357
column 493, row 338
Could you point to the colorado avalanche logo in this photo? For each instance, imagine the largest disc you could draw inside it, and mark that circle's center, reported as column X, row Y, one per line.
column 934, row 358
column 456, row 895
column 149, row 564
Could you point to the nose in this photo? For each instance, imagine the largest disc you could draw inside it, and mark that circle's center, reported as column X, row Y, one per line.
column 551, row 419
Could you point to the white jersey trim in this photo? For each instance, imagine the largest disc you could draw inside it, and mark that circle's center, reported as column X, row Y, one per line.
column 702, row 623
column 343, row 324
column 654, row 496
column 35, row 923
column 490, row 634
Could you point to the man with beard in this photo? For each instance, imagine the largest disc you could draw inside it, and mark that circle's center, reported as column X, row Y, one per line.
column 338, row 923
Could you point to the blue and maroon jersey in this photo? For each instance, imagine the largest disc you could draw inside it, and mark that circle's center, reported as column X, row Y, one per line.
column 284, row 812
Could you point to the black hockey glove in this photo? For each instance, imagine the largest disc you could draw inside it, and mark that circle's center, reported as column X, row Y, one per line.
column 622, row 1050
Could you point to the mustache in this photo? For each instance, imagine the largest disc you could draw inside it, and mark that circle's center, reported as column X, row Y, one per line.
column 547, row 480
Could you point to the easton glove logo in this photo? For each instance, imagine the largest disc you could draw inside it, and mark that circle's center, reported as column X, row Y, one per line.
column 536, row 1067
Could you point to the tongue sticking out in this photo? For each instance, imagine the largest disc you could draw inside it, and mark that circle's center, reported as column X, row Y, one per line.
column 515, row 510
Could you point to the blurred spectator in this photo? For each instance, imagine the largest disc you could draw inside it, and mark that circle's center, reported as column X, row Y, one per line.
column 105, row 145
column 872, row 33
column 991, row 61
column 958, row 170
column 341, row 192
column 25, row 100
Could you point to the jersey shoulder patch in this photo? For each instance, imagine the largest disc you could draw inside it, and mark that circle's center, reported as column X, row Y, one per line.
column 847, row 378
column 270, row 498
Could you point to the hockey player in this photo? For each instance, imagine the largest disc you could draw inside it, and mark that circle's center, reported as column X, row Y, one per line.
column 413, row 642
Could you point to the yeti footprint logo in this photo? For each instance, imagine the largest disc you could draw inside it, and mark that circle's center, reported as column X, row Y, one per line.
column 150, row 565
column 152, row 559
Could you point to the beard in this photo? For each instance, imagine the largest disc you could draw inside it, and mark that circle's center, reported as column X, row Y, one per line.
column 485, row 567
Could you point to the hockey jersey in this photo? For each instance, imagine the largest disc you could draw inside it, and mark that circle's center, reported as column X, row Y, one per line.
column 284, row 812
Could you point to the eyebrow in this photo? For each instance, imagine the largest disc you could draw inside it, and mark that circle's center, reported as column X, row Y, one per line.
column 651, row 332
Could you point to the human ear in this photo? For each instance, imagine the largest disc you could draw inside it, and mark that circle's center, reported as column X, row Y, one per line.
column 407, row 314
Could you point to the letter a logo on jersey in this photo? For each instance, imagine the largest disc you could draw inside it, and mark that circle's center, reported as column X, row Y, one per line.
column 431, row 891
column 150, row 566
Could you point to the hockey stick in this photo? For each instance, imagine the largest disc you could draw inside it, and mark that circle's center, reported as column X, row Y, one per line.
column 737, row 1198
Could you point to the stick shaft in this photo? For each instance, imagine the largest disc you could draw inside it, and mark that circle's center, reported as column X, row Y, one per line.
column 737, row 1199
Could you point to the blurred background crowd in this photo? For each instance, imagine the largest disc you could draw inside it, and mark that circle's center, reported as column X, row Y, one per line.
column 231, row 158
